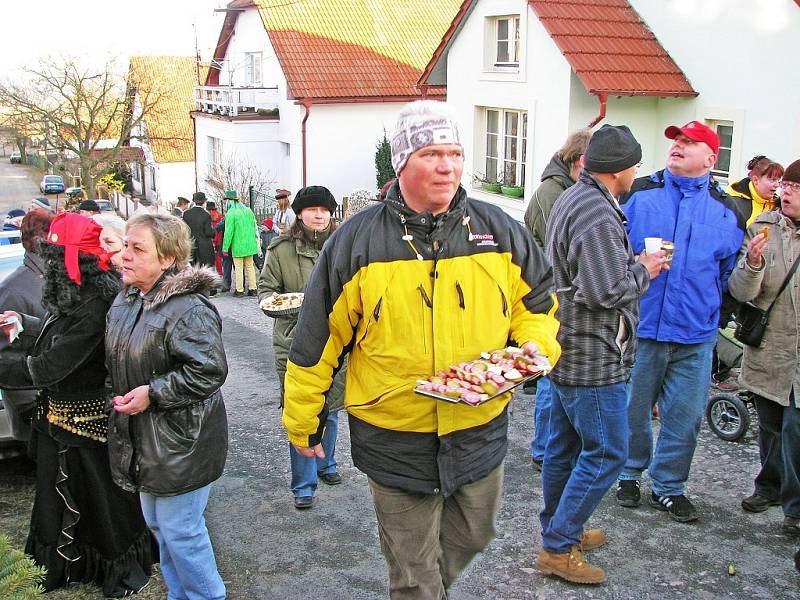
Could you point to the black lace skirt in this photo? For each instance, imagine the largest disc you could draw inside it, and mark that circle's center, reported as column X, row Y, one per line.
column 85, row 529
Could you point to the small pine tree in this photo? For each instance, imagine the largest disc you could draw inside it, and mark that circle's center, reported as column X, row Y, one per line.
column 20, row 577
column 383, row 161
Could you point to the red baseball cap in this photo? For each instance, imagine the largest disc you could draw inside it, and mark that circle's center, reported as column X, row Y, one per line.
column 695, row 130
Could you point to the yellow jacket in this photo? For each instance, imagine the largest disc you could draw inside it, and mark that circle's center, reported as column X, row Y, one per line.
column 744, row 188
column 482, row 283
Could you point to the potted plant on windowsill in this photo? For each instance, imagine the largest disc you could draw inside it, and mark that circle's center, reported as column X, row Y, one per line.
column 489, row 185
column 510, row 187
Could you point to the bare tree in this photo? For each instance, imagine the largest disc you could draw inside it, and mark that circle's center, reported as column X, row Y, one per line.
column 73, row 108
column 18, row 132
column 234, row 173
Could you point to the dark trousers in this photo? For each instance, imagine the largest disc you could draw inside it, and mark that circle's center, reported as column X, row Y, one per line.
column 227, row 268
column 779, row 447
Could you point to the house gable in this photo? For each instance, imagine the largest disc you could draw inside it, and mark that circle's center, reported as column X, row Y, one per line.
column 605, row 42
column 341, row 50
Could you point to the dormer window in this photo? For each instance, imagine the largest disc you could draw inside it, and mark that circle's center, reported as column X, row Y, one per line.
column 507, row 41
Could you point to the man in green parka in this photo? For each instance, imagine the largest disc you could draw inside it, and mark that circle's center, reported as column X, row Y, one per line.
column 241, row 241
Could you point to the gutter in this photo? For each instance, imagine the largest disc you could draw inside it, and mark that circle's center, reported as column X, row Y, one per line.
column 307, row 105
column 603, row 99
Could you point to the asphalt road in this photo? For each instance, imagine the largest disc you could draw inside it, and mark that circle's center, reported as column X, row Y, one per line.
column 18, row 186
column 267, row 549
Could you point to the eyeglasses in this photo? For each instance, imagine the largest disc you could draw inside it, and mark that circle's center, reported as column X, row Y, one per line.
column 790, row 185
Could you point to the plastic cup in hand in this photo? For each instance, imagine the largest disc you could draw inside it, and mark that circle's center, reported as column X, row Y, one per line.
column 668, row 248
column 652, row 244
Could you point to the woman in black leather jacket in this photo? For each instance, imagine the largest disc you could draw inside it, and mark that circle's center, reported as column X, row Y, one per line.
column 168, row 434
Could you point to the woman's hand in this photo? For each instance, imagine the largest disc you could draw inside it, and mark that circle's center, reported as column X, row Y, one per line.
column 755, row 250
column 134, row 402
column 5, row 317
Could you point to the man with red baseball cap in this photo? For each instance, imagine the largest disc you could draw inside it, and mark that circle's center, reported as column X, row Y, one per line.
column 697, row 132
column 680, row 313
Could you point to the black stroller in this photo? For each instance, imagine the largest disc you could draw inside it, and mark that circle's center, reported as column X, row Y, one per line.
column 728, row 413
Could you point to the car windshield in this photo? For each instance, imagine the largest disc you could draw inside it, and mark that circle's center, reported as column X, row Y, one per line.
column 52, row 179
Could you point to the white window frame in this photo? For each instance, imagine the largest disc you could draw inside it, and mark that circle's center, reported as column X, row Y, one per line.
column 253, row 69
column 153, row 178
column 511, row 42
column 722, row 174
column 504, row 146
column 214, row 154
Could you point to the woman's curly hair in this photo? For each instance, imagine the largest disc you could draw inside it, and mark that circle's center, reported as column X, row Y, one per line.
column 61, row 295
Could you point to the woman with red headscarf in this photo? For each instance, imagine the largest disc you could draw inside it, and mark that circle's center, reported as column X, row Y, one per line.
column 84, row 528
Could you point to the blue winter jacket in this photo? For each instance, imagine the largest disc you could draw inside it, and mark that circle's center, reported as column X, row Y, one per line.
column 682, row 305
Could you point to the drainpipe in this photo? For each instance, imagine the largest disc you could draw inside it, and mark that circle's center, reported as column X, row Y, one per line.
column 194, row 135
column 603, row 99
column 307, row 105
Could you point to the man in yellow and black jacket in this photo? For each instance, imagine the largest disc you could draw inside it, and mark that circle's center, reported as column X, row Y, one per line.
column 424, row 280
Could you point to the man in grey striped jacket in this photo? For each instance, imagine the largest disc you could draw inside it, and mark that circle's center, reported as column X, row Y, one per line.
column 598, row 284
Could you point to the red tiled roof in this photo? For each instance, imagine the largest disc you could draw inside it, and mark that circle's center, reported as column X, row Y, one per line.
column 168, row 81
column 317, row 67
column 610, row 48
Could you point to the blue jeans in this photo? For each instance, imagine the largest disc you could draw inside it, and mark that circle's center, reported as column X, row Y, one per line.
column 305, row 470
column 541, row 418
column 676, row 376
column 584, row 456
column 187, row 558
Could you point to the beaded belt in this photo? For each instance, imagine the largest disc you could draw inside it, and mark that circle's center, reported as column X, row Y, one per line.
column 81, row 414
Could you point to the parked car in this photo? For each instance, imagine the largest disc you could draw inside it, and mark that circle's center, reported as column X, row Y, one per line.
column 52, row 184
column 106, row 206
column 15, row 157
column 11, row 257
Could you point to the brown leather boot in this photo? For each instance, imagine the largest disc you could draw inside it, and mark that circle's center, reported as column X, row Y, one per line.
column 592, row 538
column 571, row 566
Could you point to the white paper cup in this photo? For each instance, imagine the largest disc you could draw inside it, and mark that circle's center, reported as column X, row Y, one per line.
column 652, row 244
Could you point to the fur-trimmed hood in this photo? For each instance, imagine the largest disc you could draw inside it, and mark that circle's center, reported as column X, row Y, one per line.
column 190, row 280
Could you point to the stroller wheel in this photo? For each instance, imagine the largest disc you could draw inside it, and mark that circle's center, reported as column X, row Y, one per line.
column 727, row 416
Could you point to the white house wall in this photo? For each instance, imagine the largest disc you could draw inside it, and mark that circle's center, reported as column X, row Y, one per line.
column 248, row 36
column 726, row 48
column 254, row 142
column 341, row 138
column 174, row 179
column 341, row 144
column 737, row 55
column 642, row 114
column 542, row 88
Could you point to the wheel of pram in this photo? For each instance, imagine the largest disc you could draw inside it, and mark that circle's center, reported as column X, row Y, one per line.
column 727, row 416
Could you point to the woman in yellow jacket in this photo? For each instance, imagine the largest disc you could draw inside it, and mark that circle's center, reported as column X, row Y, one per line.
column 759, row 186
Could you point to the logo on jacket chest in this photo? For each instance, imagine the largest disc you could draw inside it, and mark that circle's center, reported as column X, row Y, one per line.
column 483, row 239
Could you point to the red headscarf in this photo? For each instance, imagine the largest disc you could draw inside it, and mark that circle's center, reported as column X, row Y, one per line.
column 77, row 233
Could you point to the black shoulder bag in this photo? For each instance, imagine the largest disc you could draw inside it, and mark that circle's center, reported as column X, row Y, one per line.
column 752, row 321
